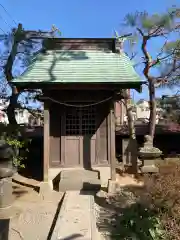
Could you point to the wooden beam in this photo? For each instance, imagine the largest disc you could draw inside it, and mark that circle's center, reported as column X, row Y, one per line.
column 46, row 142
column 78, row 86
column 112, row 142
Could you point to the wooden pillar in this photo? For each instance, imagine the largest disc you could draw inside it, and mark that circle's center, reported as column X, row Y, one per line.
column 112, row 142
column 46, row 142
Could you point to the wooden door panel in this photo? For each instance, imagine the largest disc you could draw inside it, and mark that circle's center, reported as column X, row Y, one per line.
column 72, row 151
column 93, row 152
column 88, row 120
column 54, row 150
column 79, row 137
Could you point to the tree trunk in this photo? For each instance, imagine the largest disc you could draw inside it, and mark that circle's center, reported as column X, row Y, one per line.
column 12, row 106
column 18, row 37
column 152, row 105
column 131, row 127
column 132, row 146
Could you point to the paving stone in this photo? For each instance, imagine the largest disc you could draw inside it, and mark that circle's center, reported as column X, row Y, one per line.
column 36, row 217
column 74, row 218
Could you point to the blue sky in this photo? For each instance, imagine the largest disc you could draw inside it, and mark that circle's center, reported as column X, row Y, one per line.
column 79, row 18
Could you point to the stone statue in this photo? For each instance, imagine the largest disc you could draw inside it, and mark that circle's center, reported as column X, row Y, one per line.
column 148, row 141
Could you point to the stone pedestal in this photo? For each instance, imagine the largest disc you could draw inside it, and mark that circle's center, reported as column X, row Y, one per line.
column 148, row 154
column 6, row 197
column 112, row 186
column 149, row 166
column 7, row 210
column 6, row 172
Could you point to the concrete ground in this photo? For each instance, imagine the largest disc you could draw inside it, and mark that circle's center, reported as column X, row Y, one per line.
column 45, row 218
column 49, row 218
column 36, row 218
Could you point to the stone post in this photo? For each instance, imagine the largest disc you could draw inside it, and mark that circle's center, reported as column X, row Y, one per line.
column 7, row 210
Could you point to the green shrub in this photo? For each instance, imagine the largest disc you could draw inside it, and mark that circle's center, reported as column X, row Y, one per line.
column 138, row 222
column 19, row 155
column 149, row 212
column 161, row 193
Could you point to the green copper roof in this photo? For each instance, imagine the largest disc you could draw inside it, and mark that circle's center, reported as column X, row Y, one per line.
column 84, row 66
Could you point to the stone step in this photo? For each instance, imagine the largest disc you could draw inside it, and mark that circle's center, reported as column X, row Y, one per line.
column 79, row 185
column 79, row 179
column 79, row 174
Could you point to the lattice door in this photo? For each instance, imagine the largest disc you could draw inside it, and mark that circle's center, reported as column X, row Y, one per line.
column 80, row 135
column 81, row 121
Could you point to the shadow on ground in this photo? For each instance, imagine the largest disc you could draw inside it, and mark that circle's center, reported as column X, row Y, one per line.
column 55, row 218
column 123, row 216
column 19, row 191
column 71, row 237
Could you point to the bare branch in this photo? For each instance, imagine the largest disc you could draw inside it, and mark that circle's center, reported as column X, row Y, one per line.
column 140, row 31
column 162, row 49
column 164, row 79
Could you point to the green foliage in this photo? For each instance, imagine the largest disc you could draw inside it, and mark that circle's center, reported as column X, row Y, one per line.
column 132, row 217
column 18, row 146
column 174, row 47
column 162, row 194
column 147, row 212
column 146, row 27
column 139, row 222
column 170, row 106
column 149, row 23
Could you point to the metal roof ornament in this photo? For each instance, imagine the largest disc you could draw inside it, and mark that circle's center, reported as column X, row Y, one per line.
column 119, row 44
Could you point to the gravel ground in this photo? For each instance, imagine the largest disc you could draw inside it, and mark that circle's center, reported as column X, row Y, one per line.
column 108, row 207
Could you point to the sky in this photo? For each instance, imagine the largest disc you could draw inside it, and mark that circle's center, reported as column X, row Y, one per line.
column 79, row 18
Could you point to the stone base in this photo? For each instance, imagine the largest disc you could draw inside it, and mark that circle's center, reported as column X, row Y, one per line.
column 45, row 190
column 9, row 212
column 112, row 186
column 149, row 169
column 6, row 196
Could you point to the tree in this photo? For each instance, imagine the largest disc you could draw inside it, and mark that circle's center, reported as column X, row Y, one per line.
column 148, row 28
column 171, row 108
column 20, row 47
column 132, row 145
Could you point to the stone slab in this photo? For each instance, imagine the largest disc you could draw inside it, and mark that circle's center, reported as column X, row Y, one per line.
column 79, row 179
column 149, row 169
column 75, row 218
column 79, row 184
column 79, row 174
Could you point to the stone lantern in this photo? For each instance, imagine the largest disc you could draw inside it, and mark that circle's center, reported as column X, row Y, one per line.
column 6, row 172
column 148, row 154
